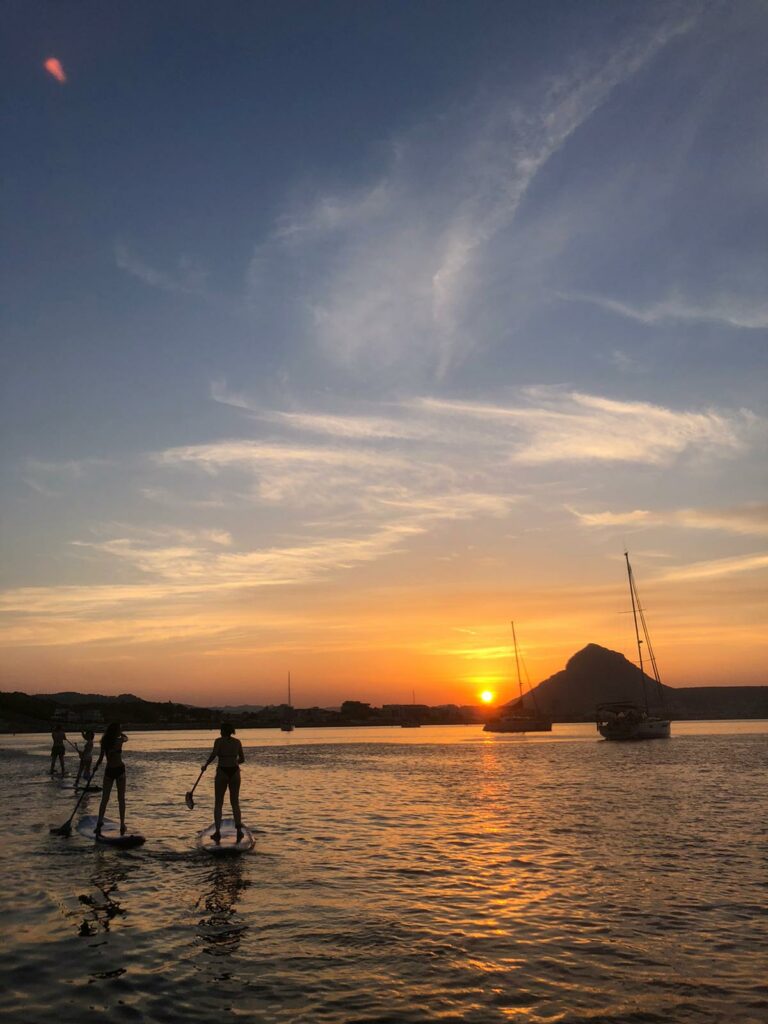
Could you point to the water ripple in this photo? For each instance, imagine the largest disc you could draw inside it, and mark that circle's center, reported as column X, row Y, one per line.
column 443, row 880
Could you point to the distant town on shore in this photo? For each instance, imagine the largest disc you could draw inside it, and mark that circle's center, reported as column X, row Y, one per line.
column 591, row 676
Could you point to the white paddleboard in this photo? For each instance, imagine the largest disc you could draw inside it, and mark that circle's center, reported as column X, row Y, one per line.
column 229, row 843
column 110, row 833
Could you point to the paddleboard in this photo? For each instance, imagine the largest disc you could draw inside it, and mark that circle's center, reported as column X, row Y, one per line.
column 229, row 843
column 79, row 789
column 110, row 833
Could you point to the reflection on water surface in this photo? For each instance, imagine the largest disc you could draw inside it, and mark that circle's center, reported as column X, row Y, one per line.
column 222, row 929
column 458, row 878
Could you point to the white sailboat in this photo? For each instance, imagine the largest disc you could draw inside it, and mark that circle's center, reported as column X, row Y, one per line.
column 628, row 720
column 515, row 717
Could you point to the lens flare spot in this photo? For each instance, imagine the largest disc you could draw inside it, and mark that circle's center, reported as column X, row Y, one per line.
column 53, row 67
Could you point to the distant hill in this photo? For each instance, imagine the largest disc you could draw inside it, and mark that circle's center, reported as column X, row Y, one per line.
column 71, row 697
column 595, row 674
column 24, row 712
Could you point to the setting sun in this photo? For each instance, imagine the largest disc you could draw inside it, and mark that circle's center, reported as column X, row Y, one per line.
column 487, row 696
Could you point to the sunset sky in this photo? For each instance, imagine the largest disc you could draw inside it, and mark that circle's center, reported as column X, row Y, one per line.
column 337, row 335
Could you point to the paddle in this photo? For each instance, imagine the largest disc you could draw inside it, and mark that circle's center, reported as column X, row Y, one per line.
column 188, row 800
column 66, row 828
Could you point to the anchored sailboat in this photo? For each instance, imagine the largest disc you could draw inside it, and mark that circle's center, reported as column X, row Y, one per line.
column 287, row 725
column 515, row 717
column 627, row 720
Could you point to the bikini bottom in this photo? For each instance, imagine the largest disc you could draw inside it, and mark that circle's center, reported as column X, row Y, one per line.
column 114, row 773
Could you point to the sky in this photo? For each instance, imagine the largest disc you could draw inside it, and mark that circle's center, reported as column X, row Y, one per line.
column 336, row 336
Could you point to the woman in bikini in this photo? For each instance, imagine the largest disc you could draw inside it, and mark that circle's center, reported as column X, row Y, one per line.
column 58, row 749
column 229, row 751
column 112, row 749
column 86, row 758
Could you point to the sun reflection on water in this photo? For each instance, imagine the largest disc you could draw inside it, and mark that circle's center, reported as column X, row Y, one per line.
column 504, row 878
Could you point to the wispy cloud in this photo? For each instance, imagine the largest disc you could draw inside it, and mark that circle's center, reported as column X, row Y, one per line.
column 561, row 426
column 717, row 567
column 238, row 451
column 351, row 501
column 385, row 275
column 187, row 277
column 351, row 427
column 750, row 519
column 633, row 518
column 50, row 478
column 361, row 486
column 729, row 309
column 215, row 568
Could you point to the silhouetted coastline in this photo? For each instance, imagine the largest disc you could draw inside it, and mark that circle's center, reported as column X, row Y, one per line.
column 592, row 675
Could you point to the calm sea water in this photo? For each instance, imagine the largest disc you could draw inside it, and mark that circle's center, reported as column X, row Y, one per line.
column 439, row 874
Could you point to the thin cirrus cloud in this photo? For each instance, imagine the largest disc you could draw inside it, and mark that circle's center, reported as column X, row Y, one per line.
column 750, row 314
column 187, row 278
column 575, row 427
column 543, row 425
column 319, row 480
column 748, row 519
column 338, row 479
column 717, row 567
column 386, row 275
column 51, row 478
column 269, row 566
column 352, row 427
column 380, row 500
column 345, row 500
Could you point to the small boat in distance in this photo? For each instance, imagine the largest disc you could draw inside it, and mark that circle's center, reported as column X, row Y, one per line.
column 411, row 723
column 628, row 720
column 287, row 725
column 515, row 717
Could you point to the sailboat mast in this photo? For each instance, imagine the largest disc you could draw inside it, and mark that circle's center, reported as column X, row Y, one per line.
column 517, row 665
column 289, row 689
column 632, row 594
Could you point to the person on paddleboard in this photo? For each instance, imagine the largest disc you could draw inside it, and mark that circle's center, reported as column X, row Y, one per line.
column 58, row 749
column 229, row 752
column 112, row 750
column 86, row 758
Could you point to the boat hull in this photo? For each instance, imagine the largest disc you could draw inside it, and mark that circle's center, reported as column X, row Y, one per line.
column 647, row 729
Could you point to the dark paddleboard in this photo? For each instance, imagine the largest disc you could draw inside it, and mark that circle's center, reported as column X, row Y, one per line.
column 229, row 843
column 110, row 833
column 80, row 789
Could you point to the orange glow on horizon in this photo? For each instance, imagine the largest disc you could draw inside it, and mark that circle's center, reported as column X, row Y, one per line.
column 54, row 68
column 373, row 645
